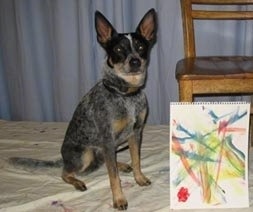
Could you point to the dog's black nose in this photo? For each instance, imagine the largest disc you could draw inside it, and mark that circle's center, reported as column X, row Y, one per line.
column 135, row 63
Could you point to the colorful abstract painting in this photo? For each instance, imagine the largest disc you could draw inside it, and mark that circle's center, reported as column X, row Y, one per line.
column 209, row 155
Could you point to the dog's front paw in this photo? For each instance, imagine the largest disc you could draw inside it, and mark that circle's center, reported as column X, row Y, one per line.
column 120, row 204
column 142, row 180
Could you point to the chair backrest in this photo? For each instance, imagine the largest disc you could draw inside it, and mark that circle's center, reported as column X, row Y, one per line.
column 191, row 13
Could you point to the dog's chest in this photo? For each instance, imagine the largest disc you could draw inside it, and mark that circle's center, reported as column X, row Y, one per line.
column 128, row 115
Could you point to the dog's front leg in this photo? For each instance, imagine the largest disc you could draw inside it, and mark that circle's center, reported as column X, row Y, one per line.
column 134, row 147
column 119, row 200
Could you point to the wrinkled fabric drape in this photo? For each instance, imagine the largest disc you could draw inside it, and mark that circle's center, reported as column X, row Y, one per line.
column 49, row 56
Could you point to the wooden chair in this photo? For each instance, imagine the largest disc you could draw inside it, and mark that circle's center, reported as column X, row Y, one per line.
column 212, row 75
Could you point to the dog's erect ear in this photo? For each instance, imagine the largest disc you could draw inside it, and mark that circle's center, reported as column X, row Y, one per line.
column 105, row 30
column 148, row 26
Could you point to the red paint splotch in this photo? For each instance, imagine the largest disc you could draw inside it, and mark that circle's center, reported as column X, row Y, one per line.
column 183, row 194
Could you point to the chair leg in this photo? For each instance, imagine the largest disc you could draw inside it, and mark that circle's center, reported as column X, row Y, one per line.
column 185, row 91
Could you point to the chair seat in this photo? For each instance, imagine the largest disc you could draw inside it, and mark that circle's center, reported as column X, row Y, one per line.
column 224, row 67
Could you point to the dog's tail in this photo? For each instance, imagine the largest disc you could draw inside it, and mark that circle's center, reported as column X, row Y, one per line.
column 31, row 163
column 35, row 163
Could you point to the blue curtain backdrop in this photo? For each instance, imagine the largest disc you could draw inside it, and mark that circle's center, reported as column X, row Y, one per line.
column 49, row 56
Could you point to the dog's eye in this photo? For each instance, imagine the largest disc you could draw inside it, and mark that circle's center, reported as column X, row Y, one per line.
column 118, row 49
column 140, row 47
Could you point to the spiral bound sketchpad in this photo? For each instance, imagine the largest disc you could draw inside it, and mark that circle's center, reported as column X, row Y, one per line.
column 209, row 155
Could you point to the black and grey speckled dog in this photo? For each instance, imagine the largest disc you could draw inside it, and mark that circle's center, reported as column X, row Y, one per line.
column 114, row 110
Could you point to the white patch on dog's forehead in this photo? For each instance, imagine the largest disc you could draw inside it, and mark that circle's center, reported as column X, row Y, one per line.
column 129, row 37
